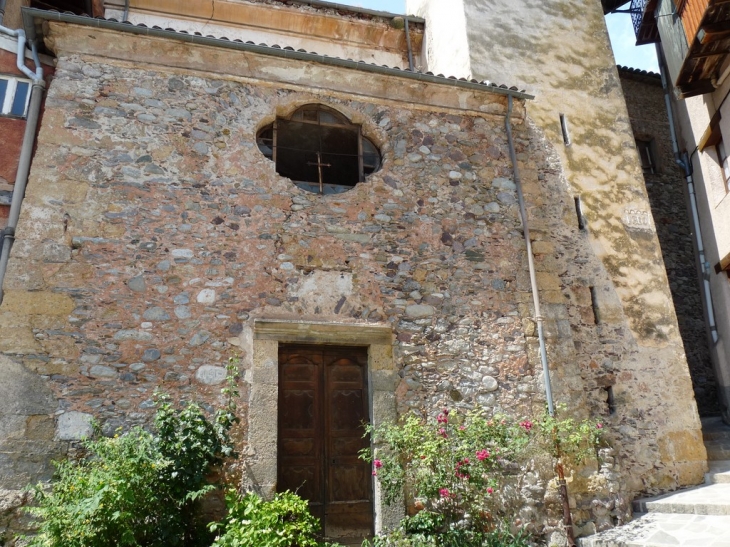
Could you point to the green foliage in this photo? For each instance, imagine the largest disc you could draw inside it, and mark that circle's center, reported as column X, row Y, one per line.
column 566, row 438
column 412, row 534
column 138, row 489
column 455, row 468
column 284, row 521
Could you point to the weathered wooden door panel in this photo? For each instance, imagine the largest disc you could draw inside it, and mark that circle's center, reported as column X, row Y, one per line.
column 324, row 390
column 300, row 427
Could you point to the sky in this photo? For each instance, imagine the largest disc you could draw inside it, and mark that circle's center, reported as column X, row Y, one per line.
column 619, row 29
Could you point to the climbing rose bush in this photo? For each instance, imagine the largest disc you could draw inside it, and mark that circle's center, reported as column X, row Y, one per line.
column 453, row 468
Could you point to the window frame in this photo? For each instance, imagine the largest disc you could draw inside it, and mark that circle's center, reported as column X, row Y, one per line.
column 368, row 155
column 8, row 101
column 645, row 148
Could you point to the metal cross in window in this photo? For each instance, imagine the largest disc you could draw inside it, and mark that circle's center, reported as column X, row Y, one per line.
column 319, row 165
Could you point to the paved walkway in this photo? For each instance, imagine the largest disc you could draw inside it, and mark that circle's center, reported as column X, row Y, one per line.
column 695, row 517
column 663, row 530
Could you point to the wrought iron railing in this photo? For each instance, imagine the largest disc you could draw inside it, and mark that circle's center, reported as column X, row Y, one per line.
column 637, row 14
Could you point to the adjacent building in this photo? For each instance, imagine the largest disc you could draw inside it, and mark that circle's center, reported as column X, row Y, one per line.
column 693, row 45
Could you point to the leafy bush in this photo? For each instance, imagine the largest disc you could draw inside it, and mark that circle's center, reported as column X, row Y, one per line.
column 138, row 489
column 456, row 469
column 408, row 536
column 284, row 521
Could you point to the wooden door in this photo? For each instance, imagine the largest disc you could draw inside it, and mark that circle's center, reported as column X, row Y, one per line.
column 323, row 404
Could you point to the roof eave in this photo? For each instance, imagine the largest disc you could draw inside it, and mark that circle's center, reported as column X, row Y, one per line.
column 31, row 15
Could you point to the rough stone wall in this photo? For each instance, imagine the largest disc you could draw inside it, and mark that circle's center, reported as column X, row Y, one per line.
column 154, row 233
column 668, row 197
column 559, row 50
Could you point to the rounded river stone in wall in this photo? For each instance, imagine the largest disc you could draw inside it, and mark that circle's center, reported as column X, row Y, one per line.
column 489, row 383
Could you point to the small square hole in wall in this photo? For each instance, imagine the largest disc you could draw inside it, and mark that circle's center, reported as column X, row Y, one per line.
column 594, row 306
column 579, row 212
column 647, row 154
column 610, row 402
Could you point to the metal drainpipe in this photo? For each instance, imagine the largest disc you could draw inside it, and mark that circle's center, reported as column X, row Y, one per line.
column 530, row 263
column 567, row 517
column 683, row 161
column 2, row 12
column 125, row 17
column 408, row 42
column 26, row 151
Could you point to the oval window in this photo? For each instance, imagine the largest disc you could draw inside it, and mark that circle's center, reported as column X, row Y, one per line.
column 319, row 150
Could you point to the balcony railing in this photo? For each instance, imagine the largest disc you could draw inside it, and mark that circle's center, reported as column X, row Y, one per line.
column 642, row 16
column 637, row 14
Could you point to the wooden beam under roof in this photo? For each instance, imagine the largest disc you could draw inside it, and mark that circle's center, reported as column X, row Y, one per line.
column 611, row 5
column 95, row 8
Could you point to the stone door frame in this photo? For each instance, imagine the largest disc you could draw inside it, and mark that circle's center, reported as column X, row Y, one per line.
column 264, row 393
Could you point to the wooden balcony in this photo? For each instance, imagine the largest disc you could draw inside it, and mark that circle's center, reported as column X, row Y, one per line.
column 707, row 27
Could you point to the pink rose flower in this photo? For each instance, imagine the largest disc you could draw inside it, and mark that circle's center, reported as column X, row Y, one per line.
column 482, row 454
column 377, row 464
column 490, row 490
column 444, row 493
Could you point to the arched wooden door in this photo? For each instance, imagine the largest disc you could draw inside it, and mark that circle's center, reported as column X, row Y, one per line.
column 323, row 404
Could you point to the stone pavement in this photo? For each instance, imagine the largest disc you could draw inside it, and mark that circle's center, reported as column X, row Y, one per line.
column 695, row 517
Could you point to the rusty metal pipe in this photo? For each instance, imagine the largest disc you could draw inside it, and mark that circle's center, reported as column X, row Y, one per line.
column 567, row 517
column 408, row 42
column 530, row 262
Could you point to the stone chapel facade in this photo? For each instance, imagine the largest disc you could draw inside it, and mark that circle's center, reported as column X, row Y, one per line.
column 158, row 238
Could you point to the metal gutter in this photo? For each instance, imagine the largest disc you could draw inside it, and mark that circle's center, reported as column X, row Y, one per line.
column 30, row 15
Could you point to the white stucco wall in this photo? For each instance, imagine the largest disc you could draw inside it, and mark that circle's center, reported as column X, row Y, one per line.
column 448, row 36
column 693, row 117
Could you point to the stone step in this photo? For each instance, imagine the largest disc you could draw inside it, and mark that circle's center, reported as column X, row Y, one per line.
column 718, row 450
column 713, row 499
column 714, row 429
column 663, row 530
column 718, row 472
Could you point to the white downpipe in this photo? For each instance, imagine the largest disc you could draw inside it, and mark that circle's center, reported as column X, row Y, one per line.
column 26, row 151
column 36, row 76
column 686, row 166
column 706, row 271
